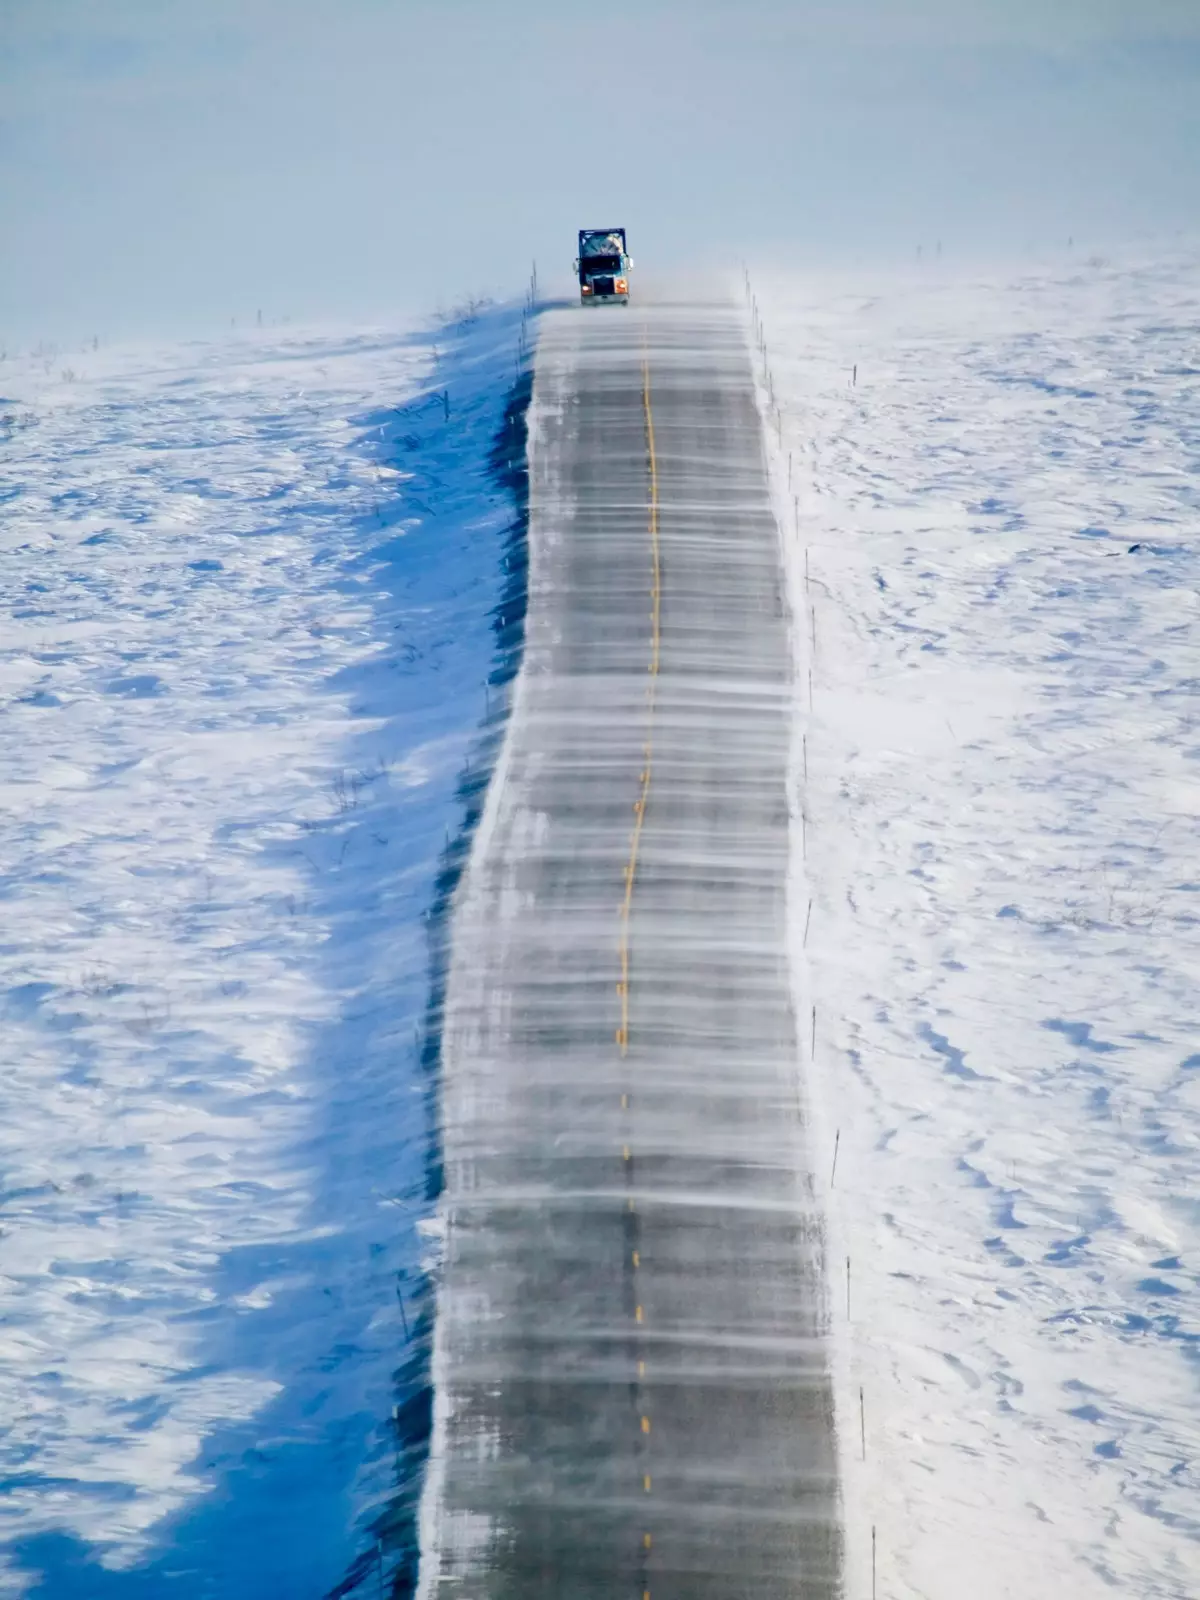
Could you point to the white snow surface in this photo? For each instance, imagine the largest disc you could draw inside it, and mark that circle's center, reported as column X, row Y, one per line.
column 247, row 601
column 994, row 545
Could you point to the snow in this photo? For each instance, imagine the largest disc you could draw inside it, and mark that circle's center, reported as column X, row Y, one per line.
column 993, row 537
column 248, row 590
column 249, row 595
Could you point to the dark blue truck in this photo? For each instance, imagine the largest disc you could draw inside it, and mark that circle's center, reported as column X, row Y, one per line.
column 603, row 266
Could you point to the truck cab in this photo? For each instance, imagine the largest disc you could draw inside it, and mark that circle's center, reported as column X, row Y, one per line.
column 603, row 266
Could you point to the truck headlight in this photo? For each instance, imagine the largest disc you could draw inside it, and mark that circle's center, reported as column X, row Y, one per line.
column 622, row 286
column 585, row 288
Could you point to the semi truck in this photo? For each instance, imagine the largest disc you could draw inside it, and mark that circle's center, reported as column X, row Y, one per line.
column 603, row 266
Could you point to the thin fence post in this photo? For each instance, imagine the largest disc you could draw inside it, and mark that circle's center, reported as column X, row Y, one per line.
column 862, row 1420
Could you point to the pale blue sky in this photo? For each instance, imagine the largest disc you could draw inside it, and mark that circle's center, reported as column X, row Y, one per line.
column 169, row 164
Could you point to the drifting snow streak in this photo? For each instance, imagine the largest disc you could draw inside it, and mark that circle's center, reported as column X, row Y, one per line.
column 632, row 1394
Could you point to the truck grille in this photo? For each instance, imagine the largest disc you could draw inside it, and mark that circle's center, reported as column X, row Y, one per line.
column 602, row 285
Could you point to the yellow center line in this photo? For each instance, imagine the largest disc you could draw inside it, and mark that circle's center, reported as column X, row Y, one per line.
column 639, row 812
column 639, row 806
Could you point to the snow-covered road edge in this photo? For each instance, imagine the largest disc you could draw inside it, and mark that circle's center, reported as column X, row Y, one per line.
column 520, row 434
column 819, row 1117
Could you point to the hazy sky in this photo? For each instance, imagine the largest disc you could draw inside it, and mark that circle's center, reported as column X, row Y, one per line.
column 169, row 164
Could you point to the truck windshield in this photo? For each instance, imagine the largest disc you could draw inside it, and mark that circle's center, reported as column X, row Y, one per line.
column 600, row 264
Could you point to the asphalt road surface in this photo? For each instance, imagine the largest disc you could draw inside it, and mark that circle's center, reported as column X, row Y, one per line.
column 632, row 1387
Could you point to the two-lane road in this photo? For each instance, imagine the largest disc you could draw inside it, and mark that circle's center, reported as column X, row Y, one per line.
column 633, row 1396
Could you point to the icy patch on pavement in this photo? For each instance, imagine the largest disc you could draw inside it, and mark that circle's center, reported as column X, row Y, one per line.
column 1000, row 527
column 247, row 592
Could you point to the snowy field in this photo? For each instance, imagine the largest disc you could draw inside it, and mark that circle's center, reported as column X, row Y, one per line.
column 250, row 603
column 248, row 592
column 1000, row 526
